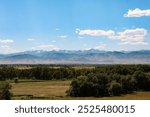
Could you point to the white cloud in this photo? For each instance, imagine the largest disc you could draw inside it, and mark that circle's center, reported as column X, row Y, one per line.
column 96, row 32
column 77, row 30
column 5, row 49
column 5, row 46
column 100, row 47
column 131, row 36
column 133, row 43
column 63, row 36
column 30, row 39
column 128, row 36
column 45, row 47
column 6, row 41
column 137, row 13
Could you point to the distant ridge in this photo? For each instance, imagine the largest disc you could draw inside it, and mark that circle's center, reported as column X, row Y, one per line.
column 77, row 57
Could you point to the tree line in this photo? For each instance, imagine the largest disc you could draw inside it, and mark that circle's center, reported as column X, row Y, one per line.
column 99, row 85
column 112, row 80
column 98, row 81
column 67, row 72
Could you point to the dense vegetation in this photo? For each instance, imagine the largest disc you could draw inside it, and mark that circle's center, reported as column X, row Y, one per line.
column 98, row 81
column 5, row 93
column 100, row 85
column 46, row 72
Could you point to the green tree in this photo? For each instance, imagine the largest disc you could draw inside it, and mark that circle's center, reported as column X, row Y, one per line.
column 115, row 88
column 129, row 84
column 143, row 80
column 16, row 80
column 5, row 93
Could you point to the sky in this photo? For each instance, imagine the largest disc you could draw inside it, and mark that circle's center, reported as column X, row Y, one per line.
column 112, row 25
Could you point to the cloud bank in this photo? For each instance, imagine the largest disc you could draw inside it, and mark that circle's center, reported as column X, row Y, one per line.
column 6, row 41
column 128, row 36
column 63, row 36
column 45, row 47
column 96, row 32
column 6, row 49
column 137, row 13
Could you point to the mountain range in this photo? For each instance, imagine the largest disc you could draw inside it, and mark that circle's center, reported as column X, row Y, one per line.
column 77, row 57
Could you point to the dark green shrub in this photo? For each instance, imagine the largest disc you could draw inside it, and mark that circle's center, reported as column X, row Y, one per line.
column 5, row 93
column 88, row 86
column 74, row 90
column 115, row 88
column 143, row 80
column 16, row 80
column 128, row 84
column 103, row 84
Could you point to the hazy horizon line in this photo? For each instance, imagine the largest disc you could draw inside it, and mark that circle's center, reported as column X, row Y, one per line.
column 76, row 50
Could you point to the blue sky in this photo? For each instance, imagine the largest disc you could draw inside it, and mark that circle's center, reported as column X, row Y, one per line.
column 74, row 25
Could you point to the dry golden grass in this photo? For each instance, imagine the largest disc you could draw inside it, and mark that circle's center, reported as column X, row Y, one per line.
column 56, row 90
column 23, row 67
column 41, row 88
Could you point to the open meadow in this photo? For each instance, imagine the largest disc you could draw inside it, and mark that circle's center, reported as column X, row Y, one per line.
column 46, row 82
column 29, row 89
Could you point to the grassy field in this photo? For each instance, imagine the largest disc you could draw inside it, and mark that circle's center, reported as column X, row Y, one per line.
column 56, row 90
column 39, row 89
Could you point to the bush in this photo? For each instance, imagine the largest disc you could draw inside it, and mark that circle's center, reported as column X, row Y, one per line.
column 5, row 93
column 88, row 86
column 143, row 80
column 84, row 87
column 115, row 88
column 103, row 84
column 74, row 90
column 16, row 80
column 129, row 84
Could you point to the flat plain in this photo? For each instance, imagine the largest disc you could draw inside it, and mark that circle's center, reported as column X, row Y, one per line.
column 56, row 90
